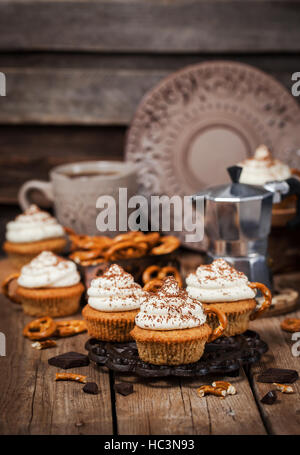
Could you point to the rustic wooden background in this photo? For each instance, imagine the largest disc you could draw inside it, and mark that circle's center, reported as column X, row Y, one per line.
column 76, row 70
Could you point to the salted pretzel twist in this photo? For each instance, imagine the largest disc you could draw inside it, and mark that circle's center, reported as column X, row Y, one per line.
column 167, row 244
column 267, row 299
column 220, row 329
column 92, row 250
column 291, row 325
column 40, row 329
column 127, row 248
column 156, row 272
column 5, row 287
column 153, row 285
column 69, row 328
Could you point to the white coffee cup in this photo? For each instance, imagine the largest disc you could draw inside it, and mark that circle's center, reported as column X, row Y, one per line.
column 74, row 189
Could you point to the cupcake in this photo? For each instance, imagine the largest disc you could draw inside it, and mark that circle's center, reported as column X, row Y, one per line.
column 263, row 168
column 113, row 302
column 31, row 233
column 171, row 327
column 229, row 290
column 48, row 286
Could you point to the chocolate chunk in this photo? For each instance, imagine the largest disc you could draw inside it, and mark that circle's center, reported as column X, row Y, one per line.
column 69, row 360
column 269, row 397
column 278, row 375
column 91, row 387
column 124, row 388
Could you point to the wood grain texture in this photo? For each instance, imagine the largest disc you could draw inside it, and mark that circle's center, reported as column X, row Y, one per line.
column 284, row 416
column 150, row 26
column 77, row 96
column 92, row 95
column 31, row 402
column 173, row 407
column 30, row 152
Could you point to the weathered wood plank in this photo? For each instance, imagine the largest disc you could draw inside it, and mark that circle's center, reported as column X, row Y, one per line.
column 30, row 152
column 96, row 89
column 17, row 371
column 283, row 417
column 31, row 402
column 152, row 26
column 62, row 407
column 65, row 96
column 173, row 407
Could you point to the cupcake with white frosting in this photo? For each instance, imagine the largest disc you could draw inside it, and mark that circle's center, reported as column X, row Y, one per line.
column 113, row 302
column 230, row 291
column 32, row 232
column 171, row 327
column 263, row 168
column 48, row 286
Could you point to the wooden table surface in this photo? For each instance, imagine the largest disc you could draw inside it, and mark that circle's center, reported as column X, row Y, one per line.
column 31, row 402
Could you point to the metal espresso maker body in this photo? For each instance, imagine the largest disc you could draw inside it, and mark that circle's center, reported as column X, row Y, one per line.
column 238, row 222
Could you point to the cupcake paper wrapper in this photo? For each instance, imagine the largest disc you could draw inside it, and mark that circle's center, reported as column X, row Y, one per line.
column 55, row 302
column 171, row 353
column 238, row 320
column 107, row 326
column 171, row 347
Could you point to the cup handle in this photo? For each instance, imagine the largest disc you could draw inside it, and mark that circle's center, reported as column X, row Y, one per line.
column 218, row 331
column 5, row 287
column 44, row 187
column 295, row 171
column 267, row 299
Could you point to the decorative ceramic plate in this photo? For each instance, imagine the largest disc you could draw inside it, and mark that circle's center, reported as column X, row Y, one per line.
column 204, row 118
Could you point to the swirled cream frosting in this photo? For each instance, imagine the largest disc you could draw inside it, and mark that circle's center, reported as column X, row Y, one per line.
column 263, row 168
column 47, row 270
column 33, row 225
column 115, row 290
column 218, row 282
column 170, row 308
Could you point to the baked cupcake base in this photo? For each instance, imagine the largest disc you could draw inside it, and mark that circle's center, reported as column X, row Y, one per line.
column 21, row 253
column 109, row 326
column 171, row 347
column 238, row 315
column 54, row 302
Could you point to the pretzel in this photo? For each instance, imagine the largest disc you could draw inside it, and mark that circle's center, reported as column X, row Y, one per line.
column 283, row 388
column 87, row 242
column 5, row 287
column 155, row 272
column 170, row 270
column 167, row 244
column 220, row 329
column 295, row 171
column 69, row 230
column 129, row 247
column 69, row 328
column 291, row 325
column 82, row 255
column 90, row 262
column 230, row 389
column 40, row 329
column 71, row 377
column 131, row 235
column 152, row 238
column 44, row 344
column 150, row 273
column 92, row 250
column 153, row 285
column 267, row 299
column 210, row 390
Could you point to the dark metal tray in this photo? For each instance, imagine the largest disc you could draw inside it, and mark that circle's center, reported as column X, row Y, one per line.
column 223, row 356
